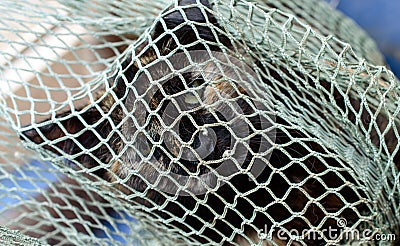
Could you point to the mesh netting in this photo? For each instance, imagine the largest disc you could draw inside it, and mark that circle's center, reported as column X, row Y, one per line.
column 194, row 122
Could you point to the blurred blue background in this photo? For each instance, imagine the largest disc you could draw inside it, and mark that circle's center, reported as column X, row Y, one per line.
column 380, row 18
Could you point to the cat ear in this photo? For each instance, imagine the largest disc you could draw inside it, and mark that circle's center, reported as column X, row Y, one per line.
column 189, row 21
column 67, row 134
column 189, row 10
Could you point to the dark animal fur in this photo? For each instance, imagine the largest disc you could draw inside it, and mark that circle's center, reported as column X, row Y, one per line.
column 221, row 227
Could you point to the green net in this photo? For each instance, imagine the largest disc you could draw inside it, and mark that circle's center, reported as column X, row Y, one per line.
column 195, row 123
